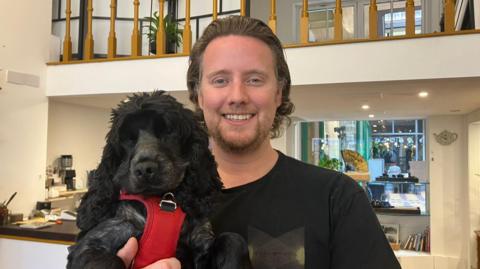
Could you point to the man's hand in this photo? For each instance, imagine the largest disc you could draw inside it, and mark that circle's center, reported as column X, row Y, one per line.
column 128, row 252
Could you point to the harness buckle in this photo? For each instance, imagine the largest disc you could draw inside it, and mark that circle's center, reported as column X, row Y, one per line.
column 168, row 202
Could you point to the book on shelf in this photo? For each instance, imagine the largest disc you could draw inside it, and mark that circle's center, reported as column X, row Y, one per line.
column 418, row 241
column 406, row 242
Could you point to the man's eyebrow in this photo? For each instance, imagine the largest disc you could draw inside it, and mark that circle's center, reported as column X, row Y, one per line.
column 247, row 73
column 256, row 72
column 216, row 73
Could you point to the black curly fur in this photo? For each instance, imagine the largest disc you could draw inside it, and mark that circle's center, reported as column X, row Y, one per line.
column 106, row 223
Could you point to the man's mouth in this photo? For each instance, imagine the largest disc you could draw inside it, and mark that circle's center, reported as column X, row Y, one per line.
column 238, row 117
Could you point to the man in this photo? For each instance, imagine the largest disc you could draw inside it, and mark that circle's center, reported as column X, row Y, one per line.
column 293, row 215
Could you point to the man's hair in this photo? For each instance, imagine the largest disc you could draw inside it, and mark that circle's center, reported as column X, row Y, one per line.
column 250, row 27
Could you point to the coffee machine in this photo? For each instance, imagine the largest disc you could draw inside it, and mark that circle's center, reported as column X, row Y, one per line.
column 66, row 172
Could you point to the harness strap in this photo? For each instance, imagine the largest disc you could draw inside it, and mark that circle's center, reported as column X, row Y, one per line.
column 161, row 231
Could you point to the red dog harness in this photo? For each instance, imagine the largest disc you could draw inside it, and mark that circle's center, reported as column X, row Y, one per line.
column 162, row 229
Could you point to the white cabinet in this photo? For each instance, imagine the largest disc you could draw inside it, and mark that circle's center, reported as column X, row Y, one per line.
column 22, row 254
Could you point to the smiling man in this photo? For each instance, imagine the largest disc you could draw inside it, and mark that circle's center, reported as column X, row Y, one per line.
column 292, row 214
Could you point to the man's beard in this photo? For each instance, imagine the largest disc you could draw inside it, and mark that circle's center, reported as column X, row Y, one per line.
column 247, row 146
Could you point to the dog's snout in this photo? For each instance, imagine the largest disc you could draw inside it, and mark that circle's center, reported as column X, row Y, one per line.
column 145, row 170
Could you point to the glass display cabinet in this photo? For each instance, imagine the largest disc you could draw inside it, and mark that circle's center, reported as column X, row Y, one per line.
column 399, row 197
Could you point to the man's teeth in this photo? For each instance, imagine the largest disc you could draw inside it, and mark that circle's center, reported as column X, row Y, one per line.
column 238, row 116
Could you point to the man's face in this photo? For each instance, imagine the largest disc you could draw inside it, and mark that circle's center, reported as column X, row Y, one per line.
column 239, row 92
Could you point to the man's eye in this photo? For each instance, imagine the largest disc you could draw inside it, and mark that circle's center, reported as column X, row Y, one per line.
column 255, row 81
column 219, row 81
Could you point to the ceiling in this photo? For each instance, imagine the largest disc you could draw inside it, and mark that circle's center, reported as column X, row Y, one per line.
column 387, row 100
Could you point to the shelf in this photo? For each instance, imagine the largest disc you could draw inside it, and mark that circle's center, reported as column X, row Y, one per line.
column 68, row 193
column 404, row 215
column 398, row 211
column 63, row 195
column 380, row 182
column 410, row 253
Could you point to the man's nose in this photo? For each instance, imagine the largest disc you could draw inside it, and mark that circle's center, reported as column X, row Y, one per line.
column 238, row 93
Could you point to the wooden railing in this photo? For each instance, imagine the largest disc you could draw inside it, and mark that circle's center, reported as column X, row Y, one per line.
column 88, row 47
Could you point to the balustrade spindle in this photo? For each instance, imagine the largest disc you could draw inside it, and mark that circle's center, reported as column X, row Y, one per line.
column 215, row 10
column 372, row 24
column 338, row 21
column 304, row 23
column 160, row 36
column 112, row 39
column 449, row 13
column 187, row 31
column 136, row 37
column 243, row 8
column 88, row 48
column 67, row 43
column 272, row 21
column 410, row 17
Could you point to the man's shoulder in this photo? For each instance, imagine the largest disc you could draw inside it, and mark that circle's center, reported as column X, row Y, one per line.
column 314, row 174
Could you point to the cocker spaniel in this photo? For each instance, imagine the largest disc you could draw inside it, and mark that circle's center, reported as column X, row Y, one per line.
column 155, row 148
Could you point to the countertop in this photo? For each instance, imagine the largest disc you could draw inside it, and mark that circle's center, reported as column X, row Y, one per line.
column 64, row 233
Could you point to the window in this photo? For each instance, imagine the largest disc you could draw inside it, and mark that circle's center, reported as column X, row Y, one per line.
column 322, row 21
column 396, row 142
column 400, row 143
column 391, row 17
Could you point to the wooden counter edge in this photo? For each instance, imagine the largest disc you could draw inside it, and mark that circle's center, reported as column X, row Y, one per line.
column 33, row 239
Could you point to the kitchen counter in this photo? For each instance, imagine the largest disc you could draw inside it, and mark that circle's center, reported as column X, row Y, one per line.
column 64, row 233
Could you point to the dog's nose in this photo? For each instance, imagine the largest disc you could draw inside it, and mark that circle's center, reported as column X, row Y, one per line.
column 145, row 170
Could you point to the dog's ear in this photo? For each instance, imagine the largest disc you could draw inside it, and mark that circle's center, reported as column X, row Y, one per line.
column 201, row 183
column 100, row 201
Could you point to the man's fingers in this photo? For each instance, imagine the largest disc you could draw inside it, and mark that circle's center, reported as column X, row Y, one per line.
column 128, row 252
column 170, row 263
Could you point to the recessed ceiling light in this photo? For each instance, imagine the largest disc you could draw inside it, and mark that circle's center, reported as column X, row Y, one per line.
column 423, row 94
column 365, row 107
column 374, row 126
column 371, row 116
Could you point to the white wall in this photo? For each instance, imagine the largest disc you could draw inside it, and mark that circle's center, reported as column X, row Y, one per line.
column 476, row 6
column 473, row 116
column 79, row 131
column 449, row 205
column 23, row 110
column 474, row 186
column 473, row 121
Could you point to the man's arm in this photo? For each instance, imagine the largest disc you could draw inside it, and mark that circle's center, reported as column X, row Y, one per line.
column 358, row 241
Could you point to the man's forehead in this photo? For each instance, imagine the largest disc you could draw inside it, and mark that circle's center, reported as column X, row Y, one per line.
column 237, row 53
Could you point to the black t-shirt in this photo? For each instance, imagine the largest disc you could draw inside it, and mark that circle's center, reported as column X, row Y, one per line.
column 303, row 216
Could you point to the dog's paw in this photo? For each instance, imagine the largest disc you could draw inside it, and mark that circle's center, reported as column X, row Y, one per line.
column 230, row 250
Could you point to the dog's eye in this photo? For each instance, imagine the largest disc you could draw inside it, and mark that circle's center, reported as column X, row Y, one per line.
column 129, row 137
column 132, row 137
column 160, row 127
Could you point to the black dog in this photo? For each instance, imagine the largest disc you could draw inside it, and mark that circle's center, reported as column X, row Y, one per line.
column 155, row 146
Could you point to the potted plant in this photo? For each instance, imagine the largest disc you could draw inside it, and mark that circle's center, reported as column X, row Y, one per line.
column 329, row 163
column 173, row 34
